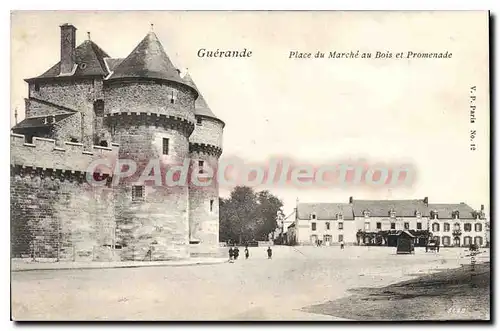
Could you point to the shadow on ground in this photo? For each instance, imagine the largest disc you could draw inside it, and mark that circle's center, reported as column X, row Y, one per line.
column 455, row 294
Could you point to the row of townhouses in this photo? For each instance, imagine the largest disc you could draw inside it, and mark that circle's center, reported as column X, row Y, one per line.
column 371, row 222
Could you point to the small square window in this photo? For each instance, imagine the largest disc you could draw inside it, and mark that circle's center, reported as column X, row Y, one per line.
column 199, row 121
column 313, row 226
column 165, row 146
column 407, row 225
column 379, row 226
column 393, row 226
column 419, row 226
column 327, row 225
column 341, row 226
column 137, row 193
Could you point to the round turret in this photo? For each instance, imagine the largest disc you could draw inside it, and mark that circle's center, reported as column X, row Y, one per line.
column 205, row 146
column 150, row 112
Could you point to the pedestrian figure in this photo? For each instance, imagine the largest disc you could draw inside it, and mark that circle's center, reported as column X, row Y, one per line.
column 231, row 254
column 269, row 253
column 236, row 253
column 247, row 253
column 342, row 244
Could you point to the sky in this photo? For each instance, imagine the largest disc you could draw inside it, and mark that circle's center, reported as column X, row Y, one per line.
column 315, row 111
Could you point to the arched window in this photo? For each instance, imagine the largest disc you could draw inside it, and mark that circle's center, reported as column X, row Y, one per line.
column 467, row 240
column 478, row 227
column 446, row 241
column 456, row 226
column 435, row 227
column 467, row 227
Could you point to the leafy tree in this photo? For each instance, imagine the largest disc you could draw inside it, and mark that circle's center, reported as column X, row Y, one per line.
column 247, row 215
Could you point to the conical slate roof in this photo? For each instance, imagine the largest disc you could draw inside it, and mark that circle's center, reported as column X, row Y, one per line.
column 201, row 106
column 147, row 60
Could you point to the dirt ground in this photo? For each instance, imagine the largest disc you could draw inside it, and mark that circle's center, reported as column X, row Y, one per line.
column 455, row 294
column 253, row 289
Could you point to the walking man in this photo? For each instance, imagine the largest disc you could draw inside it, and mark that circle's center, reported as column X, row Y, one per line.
column 269, row 252
column 231, row 254
column 236, row 252
column 247, row 253
column 342, row 244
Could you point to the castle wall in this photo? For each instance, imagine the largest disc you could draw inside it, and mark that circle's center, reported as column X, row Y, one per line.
column 68, row 129
column 149, row 97
column 78, row 95
column 158, row 222
column 35, row 108
column 210, row 132
column 204, row 208
column 43, row 153
column 64, row 219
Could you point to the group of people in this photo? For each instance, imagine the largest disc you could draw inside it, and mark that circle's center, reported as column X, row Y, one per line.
column 234, row 252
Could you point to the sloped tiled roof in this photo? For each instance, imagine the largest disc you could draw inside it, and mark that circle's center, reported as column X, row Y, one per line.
column 40, row 122
column 382, row 208
column 445, row 210
column 89, row 58
column 112, row 63
column 201, row 106
column 324, row 211
column 148, row 60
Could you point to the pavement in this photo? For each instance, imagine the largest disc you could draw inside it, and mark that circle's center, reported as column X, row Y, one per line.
column 27, row 265
column 253, row 289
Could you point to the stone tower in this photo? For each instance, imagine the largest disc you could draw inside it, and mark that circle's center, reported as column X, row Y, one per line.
column 150, row 113
column 205, row 147
column 137, row 110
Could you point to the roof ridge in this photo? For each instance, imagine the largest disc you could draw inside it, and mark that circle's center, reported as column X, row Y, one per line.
column 48, row 103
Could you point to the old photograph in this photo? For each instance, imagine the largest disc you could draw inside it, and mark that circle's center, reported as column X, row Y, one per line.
column 250, row 166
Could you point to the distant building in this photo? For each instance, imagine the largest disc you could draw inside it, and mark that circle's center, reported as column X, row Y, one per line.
column 363, row 222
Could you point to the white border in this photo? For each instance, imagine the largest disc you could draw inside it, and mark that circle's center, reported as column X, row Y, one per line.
column 492, row 5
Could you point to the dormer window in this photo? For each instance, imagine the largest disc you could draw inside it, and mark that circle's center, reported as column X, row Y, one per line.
column 455, row 214
column 199, row 121
column 366, row 213
column 313, row 216
column 392, row 213
column 340, row 216
column 418, row 214
column 434, row 214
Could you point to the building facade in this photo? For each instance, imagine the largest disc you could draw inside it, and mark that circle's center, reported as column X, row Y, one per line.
column 90, row 106
column 375, row 222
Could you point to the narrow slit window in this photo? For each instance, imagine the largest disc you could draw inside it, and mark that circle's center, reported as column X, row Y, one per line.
column 200, row 166
column 165, row 146
column 211, row 205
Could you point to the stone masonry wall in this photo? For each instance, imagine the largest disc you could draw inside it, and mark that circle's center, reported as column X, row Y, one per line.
column 209, row 132
column 65, row 219
column 203, row 220
column 149, row 97
column 159, row 222
column 78, row 95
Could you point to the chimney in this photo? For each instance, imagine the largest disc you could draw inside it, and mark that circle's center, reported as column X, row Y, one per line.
column 68, row 44
column 426, row 201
